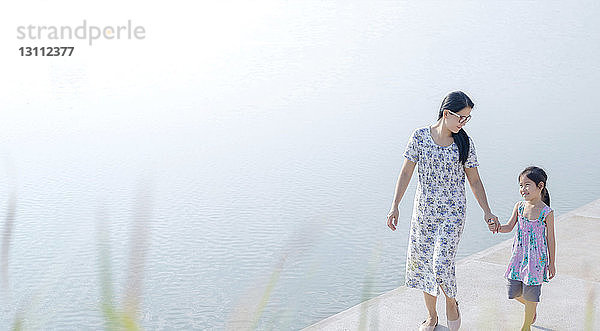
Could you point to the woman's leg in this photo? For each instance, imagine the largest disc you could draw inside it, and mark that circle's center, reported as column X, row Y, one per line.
column 430, row 302
column 451, row 307
column 446, row 248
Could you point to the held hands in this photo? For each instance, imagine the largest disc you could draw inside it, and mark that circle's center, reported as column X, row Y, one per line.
column 392, row 218
column 492, row 222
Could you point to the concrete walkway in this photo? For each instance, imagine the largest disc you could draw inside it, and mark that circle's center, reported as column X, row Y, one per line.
column 571, row 301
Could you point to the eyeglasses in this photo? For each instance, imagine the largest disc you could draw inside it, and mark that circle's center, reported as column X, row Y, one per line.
column 461, row 119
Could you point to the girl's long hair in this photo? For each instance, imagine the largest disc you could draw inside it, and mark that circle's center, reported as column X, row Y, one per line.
column 538, row 175
column 456, row 101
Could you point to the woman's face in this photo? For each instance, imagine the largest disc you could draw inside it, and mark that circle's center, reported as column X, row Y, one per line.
column 456, row 120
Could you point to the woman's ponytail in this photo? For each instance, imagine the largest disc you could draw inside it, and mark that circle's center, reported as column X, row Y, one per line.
column 461, row 139
column 456, row 101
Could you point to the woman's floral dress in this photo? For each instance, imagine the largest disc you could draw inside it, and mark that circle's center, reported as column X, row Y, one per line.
column 529, row 259
column 438, row 213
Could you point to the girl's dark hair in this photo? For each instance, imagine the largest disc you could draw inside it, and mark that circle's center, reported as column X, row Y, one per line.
column 456, row 101
column 538, row 175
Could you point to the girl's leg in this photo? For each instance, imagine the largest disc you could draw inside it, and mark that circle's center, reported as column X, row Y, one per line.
column 530, row 308
column 523, row 301
column 430, row 302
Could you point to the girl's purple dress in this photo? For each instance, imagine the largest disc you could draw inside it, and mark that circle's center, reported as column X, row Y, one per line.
column 529, row 261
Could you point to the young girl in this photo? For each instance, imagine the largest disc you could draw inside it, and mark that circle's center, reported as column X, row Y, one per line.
column 533, row 251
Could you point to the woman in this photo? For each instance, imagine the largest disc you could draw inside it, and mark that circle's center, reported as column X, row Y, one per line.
column 445, row 154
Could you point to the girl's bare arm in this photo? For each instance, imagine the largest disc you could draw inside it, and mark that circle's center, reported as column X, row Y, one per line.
column 551, row 243
column 508, row 227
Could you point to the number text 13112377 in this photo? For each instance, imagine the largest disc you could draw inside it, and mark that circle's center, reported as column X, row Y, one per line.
column 46, row 51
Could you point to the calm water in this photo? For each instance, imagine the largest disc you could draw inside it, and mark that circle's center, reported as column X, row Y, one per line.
column 239, row 163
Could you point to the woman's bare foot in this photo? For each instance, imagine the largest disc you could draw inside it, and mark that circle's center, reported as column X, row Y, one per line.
column 430, row 321
column 451, row 310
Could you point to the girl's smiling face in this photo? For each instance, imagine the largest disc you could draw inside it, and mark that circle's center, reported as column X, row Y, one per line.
column 529, row 191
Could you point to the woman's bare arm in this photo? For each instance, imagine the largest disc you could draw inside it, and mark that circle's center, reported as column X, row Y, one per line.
column 406, row 172
column 479, row 192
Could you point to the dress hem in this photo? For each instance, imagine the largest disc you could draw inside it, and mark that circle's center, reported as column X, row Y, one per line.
column 520, row 280
column 417, row 287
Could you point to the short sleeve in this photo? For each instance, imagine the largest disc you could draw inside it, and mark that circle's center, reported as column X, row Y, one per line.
column 412, row 152
column 547, row 210
column 472, row 157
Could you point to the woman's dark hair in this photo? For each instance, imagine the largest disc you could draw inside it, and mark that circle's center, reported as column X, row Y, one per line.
column 538, row 175
column 456, row 101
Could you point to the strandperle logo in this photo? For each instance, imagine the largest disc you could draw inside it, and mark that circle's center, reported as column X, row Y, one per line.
column 82, row 32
